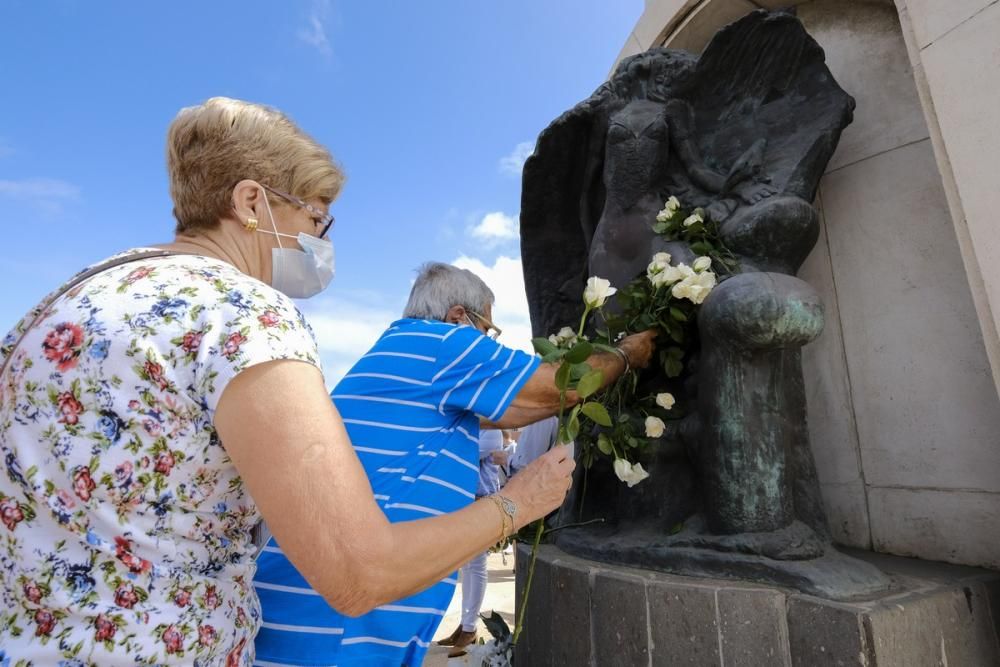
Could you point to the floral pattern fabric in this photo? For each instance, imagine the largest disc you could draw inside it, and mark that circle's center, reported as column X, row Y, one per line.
column 124, row 526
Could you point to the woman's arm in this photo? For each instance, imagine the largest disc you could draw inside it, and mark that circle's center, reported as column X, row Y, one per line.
column 289, row 444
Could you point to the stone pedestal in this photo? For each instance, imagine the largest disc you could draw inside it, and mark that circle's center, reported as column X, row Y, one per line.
column 582, row 612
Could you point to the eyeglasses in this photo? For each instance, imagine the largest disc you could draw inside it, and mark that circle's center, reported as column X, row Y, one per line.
column 321, row 218
column 492, row 330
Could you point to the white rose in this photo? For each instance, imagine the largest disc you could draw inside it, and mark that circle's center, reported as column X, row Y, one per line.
column 673, row 274
column 630, row 473
column 669, row 208
column 698, row 293
column 702, row 263
column 597, row 292
column 653, row 269
column 695, row 286
column 565, row 337
column 701, row 284
column 654, row 427
column 660, row 262
column 668, row 276
column 692, row 219
column 665, row 400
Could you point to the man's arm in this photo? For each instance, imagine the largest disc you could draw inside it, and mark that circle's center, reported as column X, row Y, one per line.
column 539, row 397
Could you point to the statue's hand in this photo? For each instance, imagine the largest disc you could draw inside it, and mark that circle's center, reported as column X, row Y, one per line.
column 639, row 347
column 751, row 193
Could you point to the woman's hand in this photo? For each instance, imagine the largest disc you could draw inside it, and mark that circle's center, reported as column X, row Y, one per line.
column 541, row 487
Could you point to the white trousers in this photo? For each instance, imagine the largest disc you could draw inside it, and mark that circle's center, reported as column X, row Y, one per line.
column 473, row 590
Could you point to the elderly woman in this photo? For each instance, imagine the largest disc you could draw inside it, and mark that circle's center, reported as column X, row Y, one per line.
column 154, row 409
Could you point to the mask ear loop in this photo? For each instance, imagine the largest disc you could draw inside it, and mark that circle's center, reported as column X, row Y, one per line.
column 274, row 226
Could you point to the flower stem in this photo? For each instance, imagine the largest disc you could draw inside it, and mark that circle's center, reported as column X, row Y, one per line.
column 583, row 321
column 527, row 584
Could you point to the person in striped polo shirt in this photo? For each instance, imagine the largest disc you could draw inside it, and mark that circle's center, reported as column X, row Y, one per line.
column 413, row 406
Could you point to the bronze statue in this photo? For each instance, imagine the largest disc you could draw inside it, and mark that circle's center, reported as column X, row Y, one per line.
column 744, row 131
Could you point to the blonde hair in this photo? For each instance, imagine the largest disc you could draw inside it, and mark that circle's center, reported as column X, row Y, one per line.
column 213, row 146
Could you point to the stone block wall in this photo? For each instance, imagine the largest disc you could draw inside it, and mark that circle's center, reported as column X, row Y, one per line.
column 584, row 613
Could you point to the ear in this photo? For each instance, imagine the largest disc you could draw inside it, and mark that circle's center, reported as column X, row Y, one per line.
column 456, row 315
column 247, row 200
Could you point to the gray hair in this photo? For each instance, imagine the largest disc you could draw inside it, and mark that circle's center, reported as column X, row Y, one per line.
column 440, row 286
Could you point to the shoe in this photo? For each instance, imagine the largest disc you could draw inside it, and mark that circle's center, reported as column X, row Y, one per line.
column 450, row 639
column 461, row 641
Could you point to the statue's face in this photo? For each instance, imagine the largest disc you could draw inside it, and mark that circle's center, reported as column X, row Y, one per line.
column 658, row 88
column 663, row 75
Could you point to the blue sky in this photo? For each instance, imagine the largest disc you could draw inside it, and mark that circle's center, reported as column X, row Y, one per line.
column 429, row 106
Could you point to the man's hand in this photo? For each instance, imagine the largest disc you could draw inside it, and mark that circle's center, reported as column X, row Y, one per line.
column 639, row 347
column 499, row 457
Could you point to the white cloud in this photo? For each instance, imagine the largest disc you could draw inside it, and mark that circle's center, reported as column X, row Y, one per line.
column 495, row 227
column 345, row 329
column 513, row 164
column 314, row 34
column 48, row 194
column 510, row 312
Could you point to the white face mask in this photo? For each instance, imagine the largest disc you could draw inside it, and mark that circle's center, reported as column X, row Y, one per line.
column 300, row 273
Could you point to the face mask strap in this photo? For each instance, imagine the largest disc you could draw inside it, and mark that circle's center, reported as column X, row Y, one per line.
column 274, row 225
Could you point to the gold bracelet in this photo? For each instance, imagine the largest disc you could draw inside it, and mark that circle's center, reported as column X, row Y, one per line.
column 504, row 532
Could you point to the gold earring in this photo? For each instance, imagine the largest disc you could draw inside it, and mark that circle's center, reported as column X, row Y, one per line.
column 251, row 224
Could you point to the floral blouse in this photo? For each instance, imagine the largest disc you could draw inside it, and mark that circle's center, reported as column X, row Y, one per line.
column 125, row 535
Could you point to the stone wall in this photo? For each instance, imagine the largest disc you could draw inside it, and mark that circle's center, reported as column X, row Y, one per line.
column 903, row 405
column 584, row 613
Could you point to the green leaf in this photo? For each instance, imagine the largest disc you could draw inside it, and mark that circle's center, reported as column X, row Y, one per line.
column 554, row 356
column 543, row 346
column 580, row 352
column 678, row 314
column 676, row 528
column 605, row 348
column 672, row 367
column 589, row 383
column 622, row 418
column 604, row 444
column 562, row 376
column 661, row 227
column 573, row 427
column 701, row 248
column 579, row 370
column 597, row 413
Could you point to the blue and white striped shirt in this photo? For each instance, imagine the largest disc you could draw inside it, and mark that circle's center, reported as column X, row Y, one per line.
column 412, row 406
